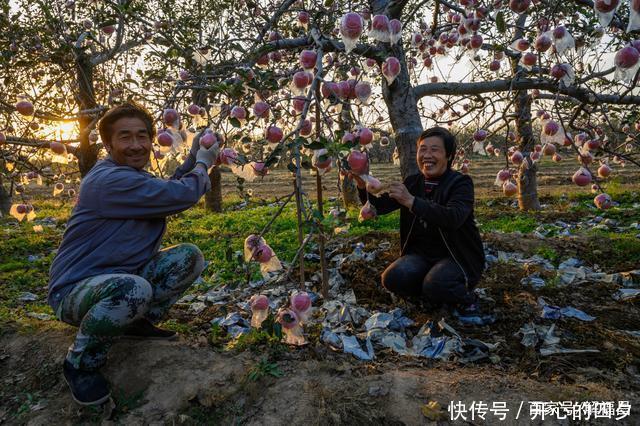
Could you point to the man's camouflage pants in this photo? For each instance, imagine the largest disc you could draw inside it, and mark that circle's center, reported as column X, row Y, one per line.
column 104, row 305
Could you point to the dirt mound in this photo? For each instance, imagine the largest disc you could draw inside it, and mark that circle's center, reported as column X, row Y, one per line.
column 198, row 380
column 178, row 382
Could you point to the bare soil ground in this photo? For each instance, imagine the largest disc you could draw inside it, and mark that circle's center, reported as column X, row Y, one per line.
column 197, row 381
column 191, row 382
column 187, row 383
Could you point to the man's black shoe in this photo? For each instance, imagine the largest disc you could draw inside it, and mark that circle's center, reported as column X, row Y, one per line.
column 143, row 329
column 87, row 387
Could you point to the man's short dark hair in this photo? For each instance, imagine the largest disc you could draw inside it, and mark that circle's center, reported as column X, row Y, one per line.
column 126, row 110
column 450, row 145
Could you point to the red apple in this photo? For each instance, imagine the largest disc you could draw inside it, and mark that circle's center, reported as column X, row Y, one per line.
column 58, row 148
column 300, row 302
column 476, row 41
column 582, row 177
column 164, row 138
column 365, row 135
column 516, row 157
column 302, row 79
column 308, row 59
column 261, row 109
column 274, row 134
column 208, row 139
column 627, row 57
column 303, row 17
column 25, row 108
column 480, row 135
column 329, row 89
column 351, row 25
column 391, row 68
column 286, row 317
column 542, row 43
column 358, row 162
column 529, row 59
column 238, row 112
column 602, row 201
column 509, row 189
column 559, row 32
column 606, row 6
column 519, row 6
column 259, row 302
column 367, row 212
column 551, row 128
column 259, row 169
column 169, row 116
column 604, row 171
column 194, row 109
column 549, row 149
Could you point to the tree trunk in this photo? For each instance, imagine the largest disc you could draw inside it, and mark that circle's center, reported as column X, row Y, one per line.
column 527, row 178
column 87, row 153
column 213, row 198
column 402, row 105
column 349, row 193
column 5, row 199
column 528, row 186
column 348, row 188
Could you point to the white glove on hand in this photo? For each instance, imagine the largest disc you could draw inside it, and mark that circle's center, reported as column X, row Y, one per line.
column 207, row 156
column 195, row 144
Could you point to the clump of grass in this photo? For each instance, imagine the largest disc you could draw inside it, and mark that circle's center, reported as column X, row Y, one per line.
column 179, row 327
column 523, row 223
column 264, row 368
column 548, row 253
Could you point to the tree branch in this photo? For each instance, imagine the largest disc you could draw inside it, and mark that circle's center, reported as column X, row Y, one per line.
column 462, row 89
column 39, row 143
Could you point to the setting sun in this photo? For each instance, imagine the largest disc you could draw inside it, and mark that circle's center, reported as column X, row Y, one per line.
column 68, row 130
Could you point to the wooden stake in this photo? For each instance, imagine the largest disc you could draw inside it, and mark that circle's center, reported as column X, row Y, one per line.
column 323, row 260
column 297, row 186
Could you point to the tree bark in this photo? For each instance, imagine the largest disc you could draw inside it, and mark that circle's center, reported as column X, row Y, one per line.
column 349, row 192
column 348, row 187
column 213, row 198
column 527, row 178
column 5, row 199
column 87, row 153
column 402, row 105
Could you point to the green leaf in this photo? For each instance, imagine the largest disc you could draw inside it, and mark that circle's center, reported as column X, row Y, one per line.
column 235, row 122
column 500, row 24
column 315, row 145
column 274, row 157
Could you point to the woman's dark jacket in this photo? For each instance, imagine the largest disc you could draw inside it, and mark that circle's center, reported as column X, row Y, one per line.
column 450, row 209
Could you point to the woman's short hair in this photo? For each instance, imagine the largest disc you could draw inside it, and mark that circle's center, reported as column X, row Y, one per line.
column 126, row 110
column 450, row 145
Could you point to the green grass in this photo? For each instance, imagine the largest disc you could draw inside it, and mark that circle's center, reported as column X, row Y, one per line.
column 523, row 223
column 625, row 247
column 549, row 253
column 221, row 237
column 264, row 368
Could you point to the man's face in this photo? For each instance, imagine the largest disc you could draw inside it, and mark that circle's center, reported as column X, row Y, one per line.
column 432, row 157
column 130, row 143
